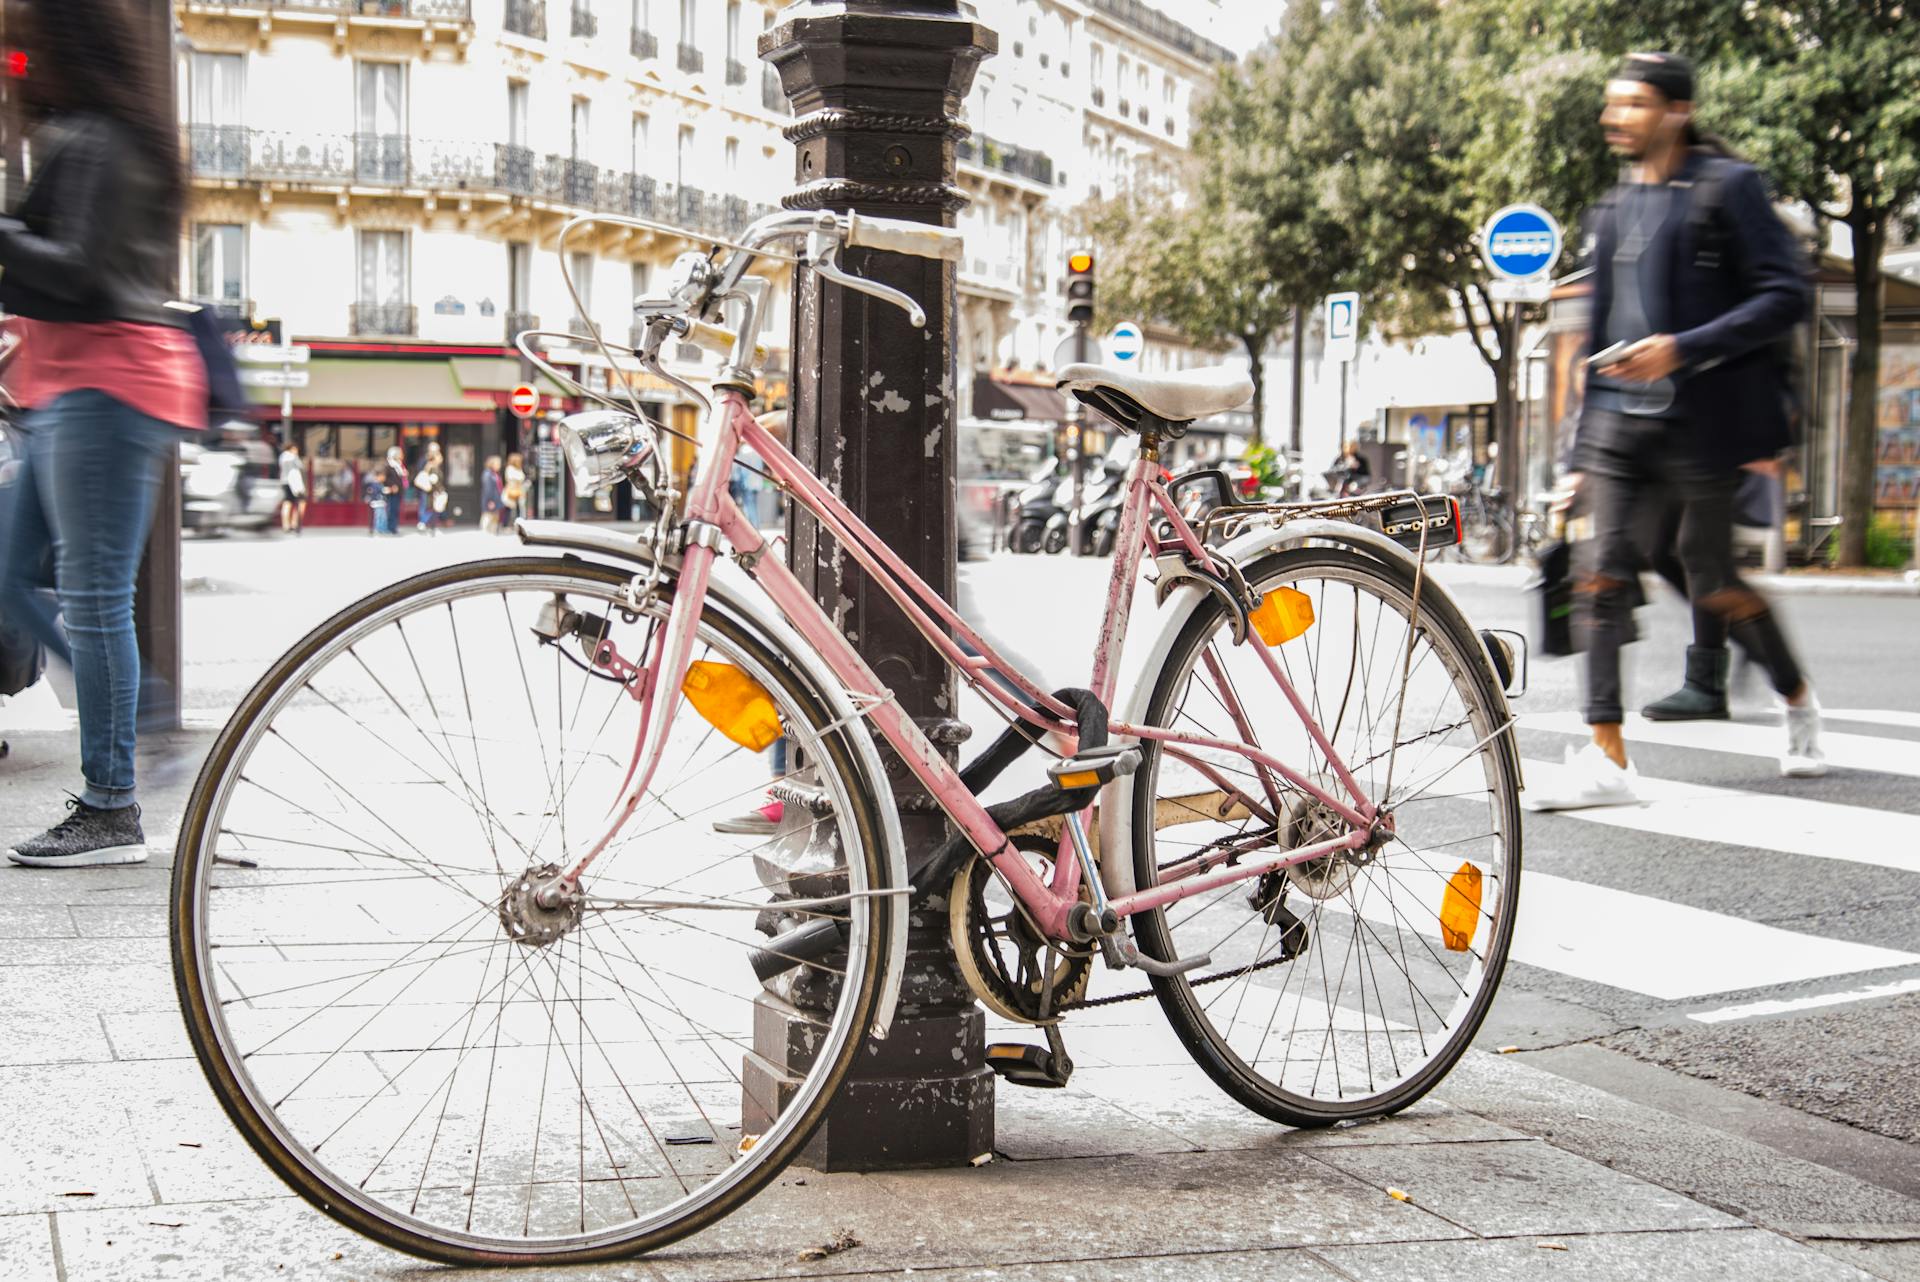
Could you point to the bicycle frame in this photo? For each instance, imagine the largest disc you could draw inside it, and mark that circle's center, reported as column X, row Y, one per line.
column 712, row 515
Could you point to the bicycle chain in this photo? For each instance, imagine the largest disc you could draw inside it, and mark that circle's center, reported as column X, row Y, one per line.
column 1089, row 1002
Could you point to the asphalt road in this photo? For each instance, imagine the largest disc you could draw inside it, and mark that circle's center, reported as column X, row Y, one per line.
column 1809, row 888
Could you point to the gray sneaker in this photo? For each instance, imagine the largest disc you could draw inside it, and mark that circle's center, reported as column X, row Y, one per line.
column 86, row 837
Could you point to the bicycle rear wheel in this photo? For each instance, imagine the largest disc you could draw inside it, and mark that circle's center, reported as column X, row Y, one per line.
column 1346, row 986
column 398, row 1024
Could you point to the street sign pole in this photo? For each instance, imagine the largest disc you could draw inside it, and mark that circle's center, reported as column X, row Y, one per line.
column 1520, row 245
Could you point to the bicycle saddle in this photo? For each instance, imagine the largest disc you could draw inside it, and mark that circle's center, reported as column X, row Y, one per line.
column 1176, row 399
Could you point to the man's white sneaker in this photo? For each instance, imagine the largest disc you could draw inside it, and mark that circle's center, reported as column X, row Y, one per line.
column 1803, row 758
column 1589, row 778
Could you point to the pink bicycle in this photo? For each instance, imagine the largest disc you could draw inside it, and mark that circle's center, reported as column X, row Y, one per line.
column 467, row 963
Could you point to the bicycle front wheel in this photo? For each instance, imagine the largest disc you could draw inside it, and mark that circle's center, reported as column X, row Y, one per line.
column 1347, row 985
column 401, row 1025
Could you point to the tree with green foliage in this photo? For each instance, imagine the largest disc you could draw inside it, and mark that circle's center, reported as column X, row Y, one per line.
column 1197, row 270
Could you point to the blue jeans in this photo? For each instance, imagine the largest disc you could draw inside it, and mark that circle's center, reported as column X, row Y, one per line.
column 394, row 501
column 88, row 490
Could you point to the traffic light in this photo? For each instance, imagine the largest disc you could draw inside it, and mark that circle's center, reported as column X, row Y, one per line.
column 1080, row 287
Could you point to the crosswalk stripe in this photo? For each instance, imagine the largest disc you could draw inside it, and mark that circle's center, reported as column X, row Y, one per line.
column 1747, row 1010
column 1761, row 821
column 1874, row 717
column 1847, row 751
column 1641, row 943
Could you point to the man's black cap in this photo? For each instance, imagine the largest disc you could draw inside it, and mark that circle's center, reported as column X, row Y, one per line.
column 1670, row 73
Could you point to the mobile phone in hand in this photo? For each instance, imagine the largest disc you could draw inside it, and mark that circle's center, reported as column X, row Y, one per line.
column 1608, row 355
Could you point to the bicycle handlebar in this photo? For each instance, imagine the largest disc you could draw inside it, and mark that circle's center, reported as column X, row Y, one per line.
column 899, row 236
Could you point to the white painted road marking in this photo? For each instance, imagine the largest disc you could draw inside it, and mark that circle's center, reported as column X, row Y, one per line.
column 1847, row 751
column 1750, row 1009
column 1639, row 943
column 1760, row 820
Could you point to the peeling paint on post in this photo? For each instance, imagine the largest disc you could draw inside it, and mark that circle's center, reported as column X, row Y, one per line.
column 876, row 91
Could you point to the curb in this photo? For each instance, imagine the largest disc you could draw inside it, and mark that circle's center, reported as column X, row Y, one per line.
column 1822, row 585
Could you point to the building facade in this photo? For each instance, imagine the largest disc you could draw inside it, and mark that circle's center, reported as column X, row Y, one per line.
column 386, row 183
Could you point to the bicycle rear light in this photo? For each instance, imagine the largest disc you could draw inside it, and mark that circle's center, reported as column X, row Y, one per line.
column 733, row 703
column 1435, row 514
column 1282, row 615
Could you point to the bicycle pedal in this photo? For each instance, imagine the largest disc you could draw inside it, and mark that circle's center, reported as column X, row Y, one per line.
column 1025, row 1065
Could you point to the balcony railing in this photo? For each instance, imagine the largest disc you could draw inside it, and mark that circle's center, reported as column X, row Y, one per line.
column 585, row 24
column 401, row 320
column 773, row 96
column 1022, row 162
column 736, row 72
column 520, row 322
column 1160, row 27
column 425, row 10
column 527, row 18
column 578, row 327
column 644, row 43
column 238, row 154
column 691, row 60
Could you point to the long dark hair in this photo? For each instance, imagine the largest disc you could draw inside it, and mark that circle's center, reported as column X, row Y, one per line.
column 108, row 58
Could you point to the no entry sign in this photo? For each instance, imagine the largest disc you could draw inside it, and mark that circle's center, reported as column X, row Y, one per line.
column 523, row 401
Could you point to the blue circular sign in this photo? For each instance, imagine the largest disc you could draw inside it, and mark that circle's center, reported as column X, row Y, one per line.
column 1124, row 341
column 1521, row 241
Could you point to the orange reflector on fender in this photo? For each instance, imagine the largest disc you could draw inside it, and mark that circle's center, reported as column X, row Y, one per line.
column 1282, row 615
column 733, row 703
column 1460, row 908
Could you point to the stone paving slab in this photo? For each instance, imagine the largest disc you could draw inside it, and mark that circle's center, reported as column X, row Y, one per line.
column 1730, row 1255
column 1497, row 1190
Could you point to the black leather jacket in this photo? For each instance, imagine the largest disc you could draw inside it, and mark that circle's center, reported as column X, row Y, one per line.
column 87, row 243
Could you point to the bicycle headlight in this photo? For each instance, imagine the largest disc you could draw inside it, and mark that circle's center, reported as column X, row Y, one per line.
column 596, row 443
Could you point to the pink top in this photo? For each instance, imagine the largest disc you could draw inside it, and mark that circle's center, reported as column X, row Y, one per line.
column 154, row 368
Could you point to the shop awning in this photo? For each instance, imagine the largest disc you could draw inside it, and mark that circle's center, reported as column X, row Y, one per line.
column 1000, row 402
column 498, row 374
column 393, row 388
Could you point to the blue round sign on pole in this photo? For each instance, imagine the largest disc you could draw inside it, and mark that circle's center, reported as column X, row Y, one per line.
column 1125, row 342
column 1520, row 242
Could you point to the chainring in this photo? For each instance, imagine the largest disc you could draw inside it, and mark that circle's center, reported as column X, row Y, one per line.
column 1001, row 956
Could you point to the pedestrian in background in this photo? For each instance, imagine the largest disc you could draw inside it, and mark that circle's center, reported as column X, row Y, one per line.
column 87, row 265
column 293, row 490
column 1684, row 391
column 514, row 490
column 491, row 501
column 429, row 480
column 393, row 489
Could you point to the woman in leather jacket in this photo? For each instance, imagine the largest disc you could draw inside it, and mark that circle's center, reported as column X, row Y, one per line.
column 109, row 369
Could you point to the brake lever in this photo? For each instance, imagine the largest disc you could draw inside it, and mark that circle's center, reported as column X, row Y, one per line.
column 828, row 266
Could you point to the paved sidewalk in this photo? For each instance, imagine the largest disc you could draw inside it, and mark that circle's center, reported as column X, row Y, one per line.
column 115, row 1161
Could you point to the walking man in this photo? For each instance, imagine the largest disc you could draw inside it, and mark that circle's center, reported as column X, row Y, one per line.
column 1685, row 390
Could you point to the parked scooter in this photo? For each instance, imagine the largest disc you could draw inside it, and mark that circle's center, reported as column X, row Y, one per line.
column 1100, row 496
column 1036, row 505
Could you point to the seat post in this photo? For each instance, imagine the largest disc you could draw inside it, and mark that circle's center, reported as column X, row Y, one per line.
column 1149, row 442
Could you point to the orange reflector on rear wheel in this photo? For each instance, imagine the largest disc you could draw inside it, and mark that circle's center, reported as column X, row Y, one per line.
column 1460, row 908
column 1282, row 615
column 733, row 703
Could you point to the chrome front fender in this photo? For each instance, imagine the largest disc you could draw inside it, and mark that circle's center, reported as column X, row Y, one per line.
column 573, row 536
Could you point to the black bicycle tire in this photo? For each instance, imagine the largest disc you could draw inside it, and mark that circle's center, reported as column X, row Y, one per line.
column 260, row 1137
column 1150, row 927
column 1027, row 536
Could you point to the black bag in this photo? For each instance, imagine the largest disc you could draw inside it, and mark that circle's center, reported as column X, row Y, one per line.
column 1553, row 631
column 225, row 397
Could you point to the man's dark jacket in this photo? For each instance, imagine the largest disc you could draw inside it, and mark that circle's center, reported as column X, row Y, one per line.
column 1731, row 296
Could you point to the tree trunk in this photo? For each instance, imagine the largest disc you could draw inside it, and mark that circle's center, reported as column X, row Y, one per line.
column 1256, row 368
column 1297, row 357
column 1863, row 430
column 1506, row 401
